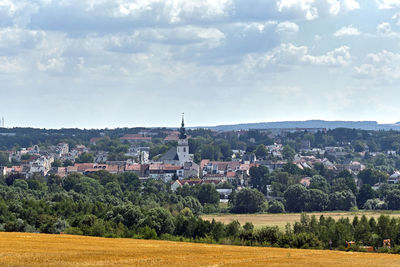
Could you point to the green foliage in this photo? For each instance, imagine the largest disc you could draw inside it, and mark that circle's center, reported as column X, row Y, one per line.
column 259, row 177
column 248, row 201
column 276, row 206
column 85, row 158
column 296, row 197
column 371, row 176
column 343, row 200
column 288, row 153
column 319, row 182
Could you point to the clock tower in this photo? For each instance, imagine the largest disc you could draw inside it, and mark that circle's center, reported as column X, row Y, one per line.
column 183, row 145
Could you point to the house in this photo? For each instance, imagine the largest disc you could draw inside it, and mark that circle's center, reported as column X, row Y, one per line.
column 305, row 181
column 172, row 136
column 215, row 177
column 273, row 165
column 190, row 170
column 394, row 178
column 224, row 194
column 163, row 172
column 142, row 170
column 175, row 185
column 249, row 158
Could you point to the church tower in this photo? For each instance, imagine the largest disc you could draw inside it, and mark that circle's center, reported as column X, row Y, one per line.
column 183, row 145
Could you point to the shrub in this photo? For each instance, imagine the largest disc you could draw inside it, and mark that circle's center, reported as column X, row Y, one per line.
column 276, row 206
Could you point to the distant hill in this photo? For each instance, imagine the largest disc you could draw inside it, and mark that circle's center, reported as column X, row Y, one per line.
column 363, row 125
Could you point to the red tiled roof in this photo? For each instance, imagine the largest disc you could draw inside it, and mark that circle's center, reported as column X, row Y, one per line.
column 172, row 137
column 136, row 138
column 230, row 174
column 80, row 167
column 132, row 167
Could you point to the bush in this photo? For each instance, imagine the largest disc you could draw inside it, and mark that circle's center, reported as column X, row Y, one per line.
column 74, row 231
column 276, row 206
column 148, row 233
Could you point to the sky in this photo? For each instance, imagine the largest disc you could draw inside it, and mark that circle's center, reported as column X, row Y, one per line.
column 120, row 63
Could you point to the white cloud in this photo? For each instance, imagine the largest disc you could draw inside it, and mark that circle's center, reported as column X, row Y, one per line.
column 174, row 11
column 52, row 65
column 385, row 30
column 334, row 8
column 380, row 66
column 388, row 4
column 10, row 65
column 289, row 54
column 287, row 26
column 347, row 31
column 312, row 9
column 338, row 57
column 303, row 6
column 397, row 18
column 350, row 5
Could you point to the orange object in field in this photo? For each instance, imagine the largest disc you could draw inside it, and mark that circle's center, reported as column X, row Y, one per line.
column 386, row 243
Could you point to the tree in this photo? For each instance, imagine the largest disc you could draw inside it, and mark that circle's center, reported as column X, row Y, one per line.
column 288, row 153
column 372, row 176
column 259, row 178
column 160, row 220
column 342, row 184
column 226, row 150
column 209, row 151
column 343, row 200
column 366, row 192
column 276, row 206
column 393, row 199
column 21, row 184
column 358, row 146
column 132, row 216
column 208, row 194
column 248, row 201
column 292, row 169
column 363, row 231
column 56, row 163
column 85, row 158
column 320, row 183
column 318, row 200
column 296, row 197
column 261, row 151
column 4, row 159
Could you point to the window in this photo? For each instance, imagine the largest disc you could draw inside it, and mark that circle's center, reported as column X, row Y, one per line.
column 184, row 149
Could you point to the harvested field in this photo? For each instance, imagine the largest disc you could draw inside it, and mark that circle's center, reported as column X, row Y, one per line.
column 281, row 220
column 24, row 249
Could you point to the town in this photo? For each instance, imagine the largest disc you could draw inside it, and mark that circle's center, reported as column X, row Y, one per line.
column 224, row 159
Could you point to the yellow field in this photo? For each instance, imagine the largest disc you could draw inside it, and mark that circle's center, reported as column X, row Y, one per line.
column 281, row 219
column 24, row 249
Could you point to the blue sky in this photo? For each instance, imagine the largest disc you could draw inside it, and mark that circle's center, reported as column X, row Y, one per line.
column 120, row 63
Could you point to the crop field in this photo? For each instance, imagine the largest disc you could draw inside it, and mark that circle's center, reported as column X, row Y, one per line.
column 282, row 219
column 25, row 249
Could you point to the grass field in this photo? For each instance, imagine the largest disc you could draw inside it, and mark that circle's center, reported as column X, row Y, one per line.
column 25, row 249
column 281, row 219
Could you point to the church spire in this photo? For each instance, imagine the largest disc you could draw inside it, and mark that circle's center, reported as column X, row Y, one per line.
column 182, row 131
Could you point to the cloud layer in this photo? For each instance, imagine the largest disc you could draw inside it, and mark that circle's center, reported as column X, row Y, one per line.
column 125, row 63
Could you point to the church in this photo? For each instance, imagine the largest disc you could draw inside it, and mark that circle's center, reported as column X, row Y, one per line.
column 179, row 155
